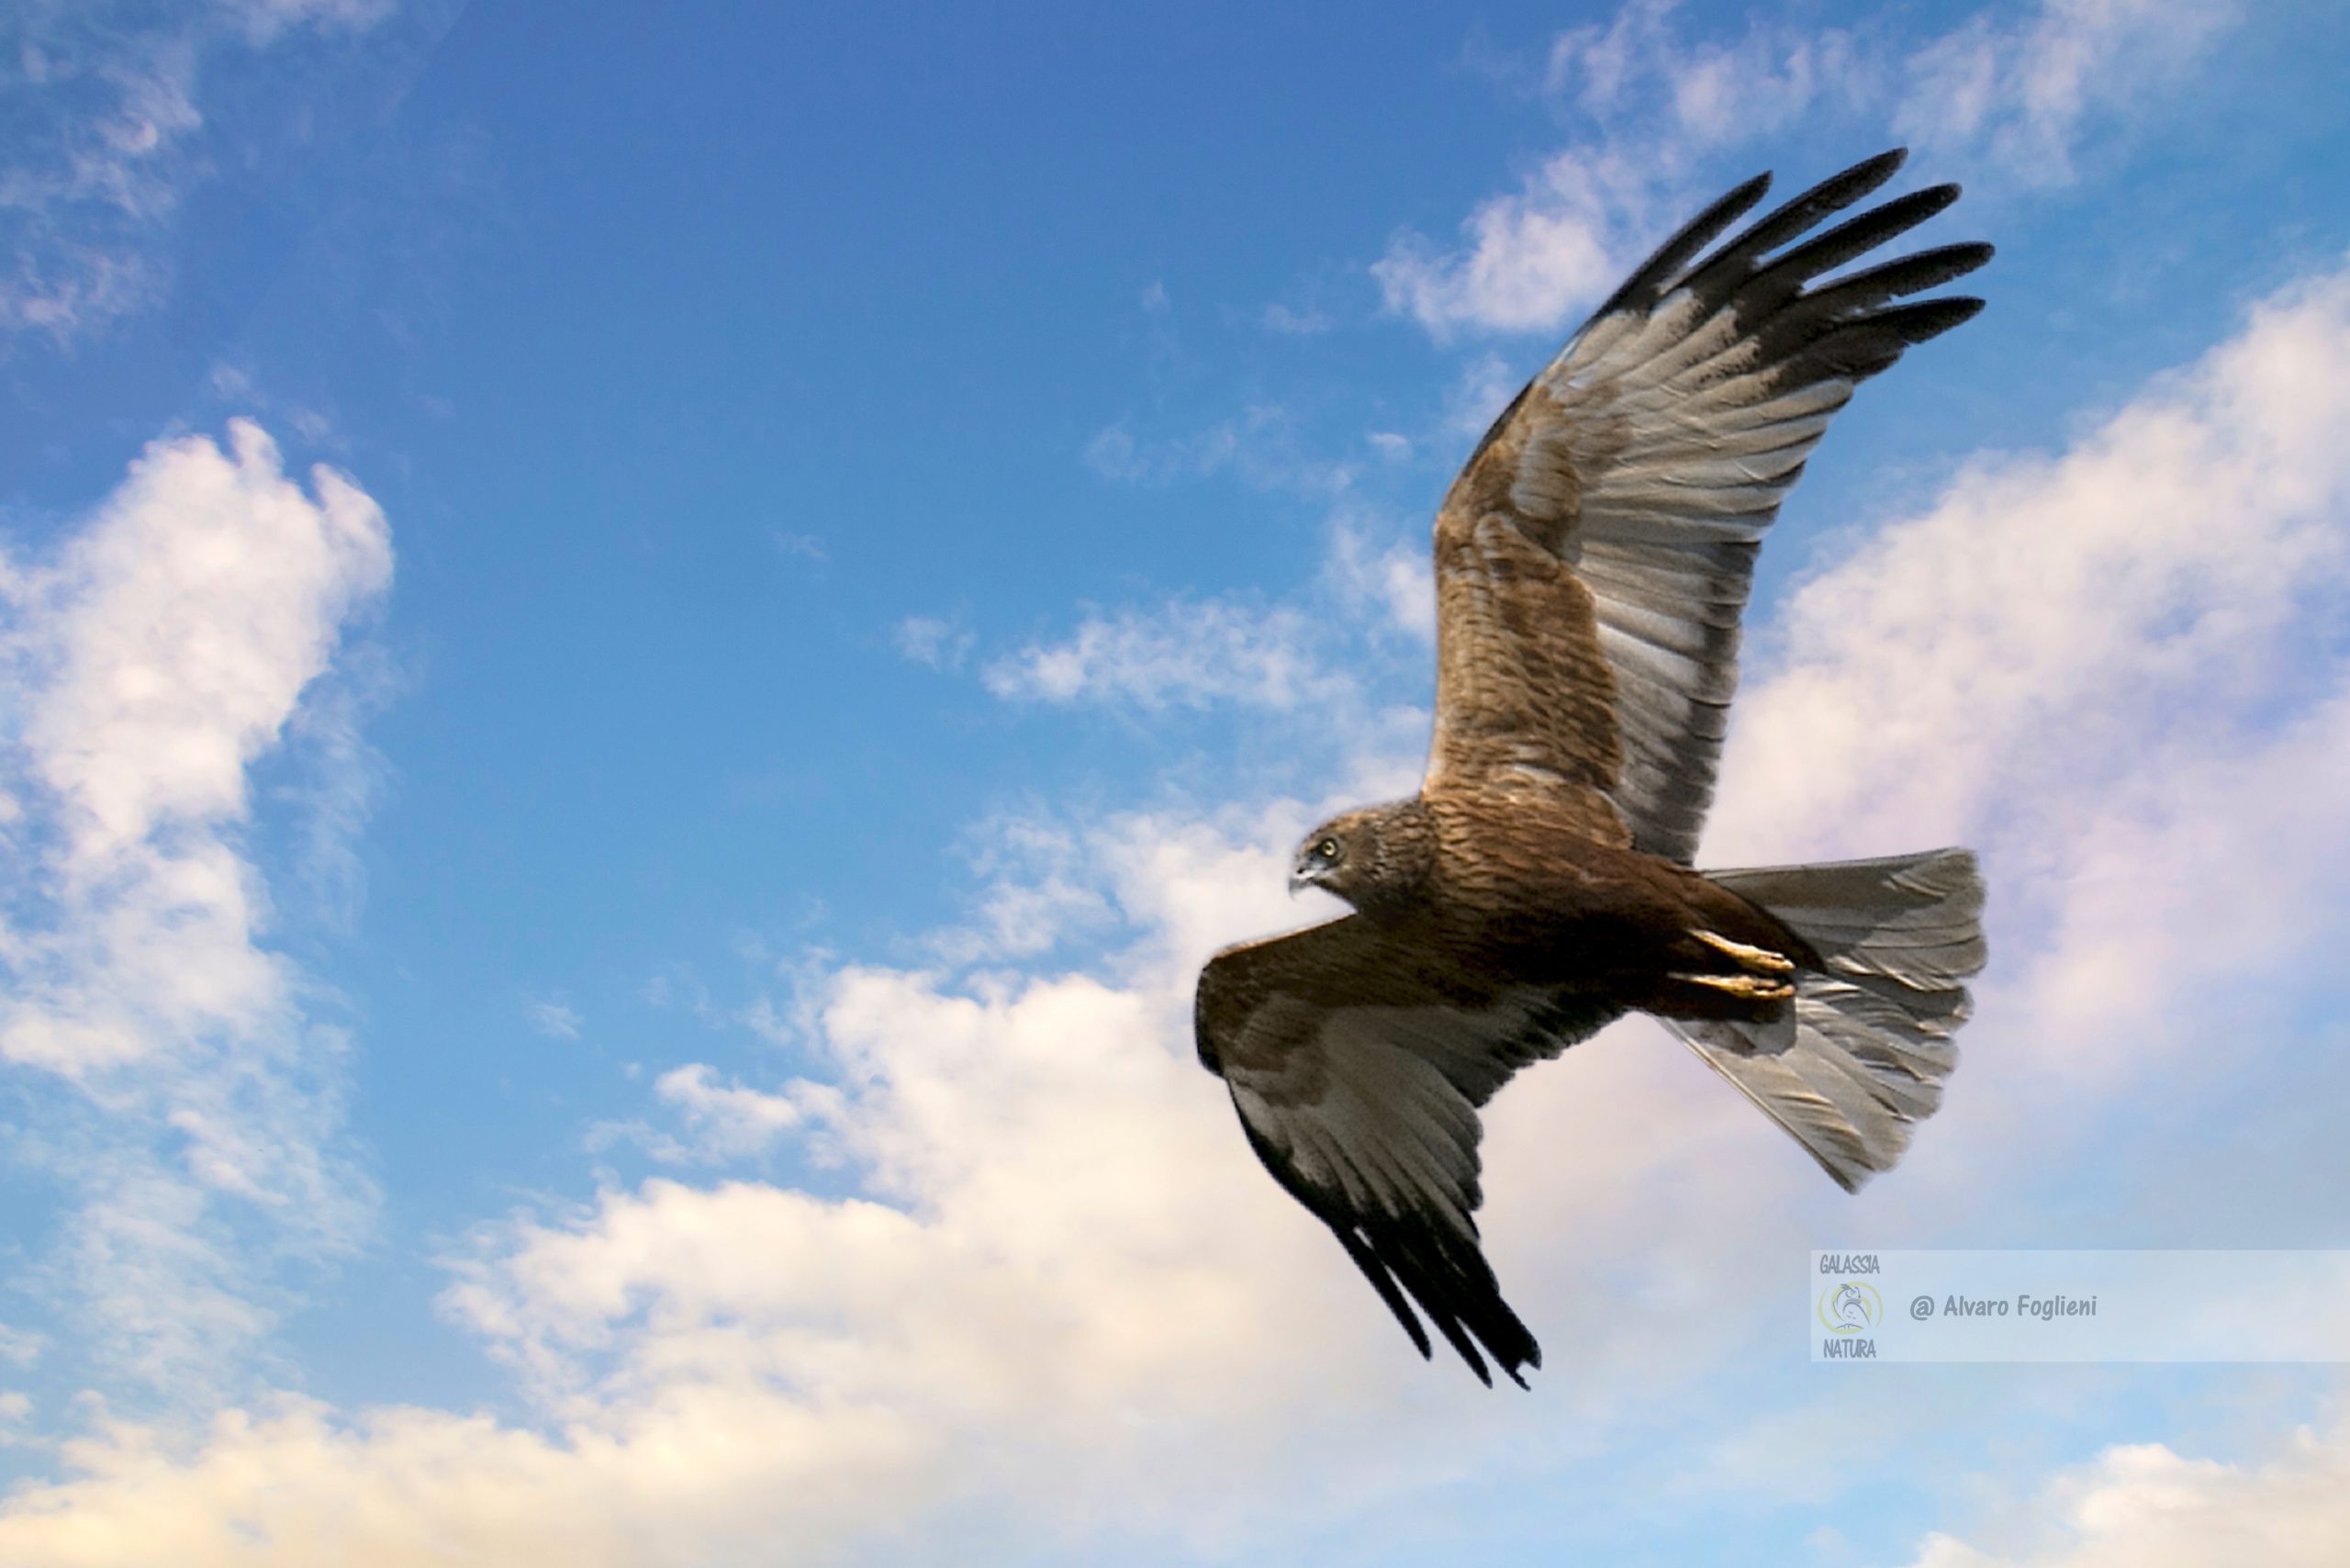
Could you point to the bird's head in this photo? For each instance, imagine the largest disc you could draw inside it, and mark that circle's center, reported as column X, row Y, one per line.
column 1370, row 856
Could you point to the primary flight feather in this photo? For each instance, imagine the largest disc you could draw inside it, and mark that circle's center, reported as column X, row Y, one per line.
column 1591, row 562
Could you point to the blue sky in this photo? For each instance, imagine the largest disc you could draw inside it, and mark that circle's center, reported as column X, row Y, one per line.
column 644, row 647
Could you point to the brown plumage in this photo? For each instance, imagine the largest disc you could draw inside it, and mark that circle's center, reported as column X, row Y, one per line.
column 1592, row 562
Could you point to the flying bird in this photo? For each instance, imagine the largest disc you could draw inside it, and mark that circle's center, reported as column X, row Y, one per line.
column 1592, row 561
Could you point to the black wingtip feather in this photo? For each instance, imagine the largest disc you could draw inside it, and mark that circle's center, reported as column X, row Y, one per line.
column 1442, row 1270
column 1461, row 1344
column 1846, row 329
column 1859, row 235
column 1921, row 322
column 1814, row 314
column 1722, row 273
column 1834, row 194
column 1653, row 278
column 1384, row 1283
column 1860, row 349
column 1900, row 277
column 1739, row 271
column 1447, row 1276
column 1443, row 1274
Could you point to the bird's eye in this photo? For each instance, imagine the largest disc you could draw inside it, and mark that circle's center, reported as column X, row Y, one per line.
column 1326, row 850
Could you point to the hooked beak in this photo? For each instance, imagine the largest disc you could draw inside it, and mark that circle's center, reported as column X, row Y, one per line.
column 1298, row 882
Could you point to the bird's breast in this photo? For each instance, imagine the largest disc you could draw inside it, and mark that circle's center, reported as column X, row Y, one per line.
column 1523, row 892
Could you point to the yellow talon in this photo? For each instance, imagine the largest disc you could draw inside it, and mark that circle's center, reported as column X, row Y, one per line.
column 1753, row 988
column 1758, row 959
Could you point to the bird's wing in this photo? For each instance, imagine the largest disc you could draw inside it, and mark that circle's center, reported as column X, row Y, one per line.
column 1358, row 1064
column 1594, row 556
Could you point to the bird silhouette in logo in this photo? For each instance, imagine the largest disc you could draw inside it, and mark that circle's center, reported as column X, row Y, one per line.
column 1851, row 1309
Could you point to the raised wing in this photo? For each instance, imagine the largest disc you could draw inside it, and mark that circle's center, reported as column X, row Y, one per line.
column 1358, row 1064
column 1593, row 557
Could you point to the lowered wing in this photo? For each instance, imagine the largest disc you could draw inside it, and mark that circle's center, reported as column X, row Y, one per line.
column 1358, row 1063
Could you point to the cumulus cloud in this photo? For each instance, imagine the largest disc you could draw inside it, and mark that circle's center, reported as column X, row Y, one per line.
column 1047, row 1291
column 168, row 646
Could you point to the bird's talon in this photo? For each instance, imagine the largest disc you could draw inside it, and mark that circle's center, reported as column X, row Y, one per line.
column 1750, row 987
column 1760, row 959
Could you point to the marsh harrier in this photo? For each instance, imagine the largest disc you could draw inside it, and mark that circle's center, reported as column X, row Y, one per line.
column 1592, row 561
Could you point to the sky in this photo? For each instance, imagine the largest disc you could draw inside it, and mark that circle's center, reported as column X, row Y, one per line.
column 643, row 647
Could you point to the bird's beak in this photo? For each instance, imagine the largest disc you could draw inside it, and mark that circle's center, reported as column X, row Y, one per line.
column 1298, row 882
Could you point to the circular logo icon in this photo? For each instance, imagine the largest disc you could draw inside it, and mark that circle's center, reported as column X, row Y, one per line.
column 1852, row 1307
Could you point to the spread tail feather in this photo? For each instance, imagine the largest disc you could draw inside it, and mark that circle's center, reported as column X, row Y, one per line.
column 1861, row 1053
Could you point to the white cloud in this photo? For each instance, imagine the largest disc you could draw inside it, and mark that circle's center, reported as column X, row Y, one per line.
column 1065, row 1298
column 1295, row 321
column 927, row 640
column 264, row 20
column 1664, row 110
column 1261, row 444
column 90, row 177
column 804, row 547
column 2088, row 614
column 725, row 1121
column 1527, row 258
column 1186, row 655
column 1039, row 891
column 78, row 206
column 2146, row 1505
column 1581, row 218
column 718, row 1123
column 1398, row 579
column 2027, row 91
column 2110, row 671
column 556, row 1019
column 172, row 643
column 1315, row 652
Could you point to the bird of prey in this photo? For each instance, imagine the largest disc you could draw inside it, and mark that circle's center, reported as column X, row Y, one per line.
column 1592, row 561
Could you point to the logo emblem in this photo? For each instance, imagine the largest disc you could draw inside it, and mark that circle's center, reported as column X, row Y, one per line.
column 1850, row 1308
